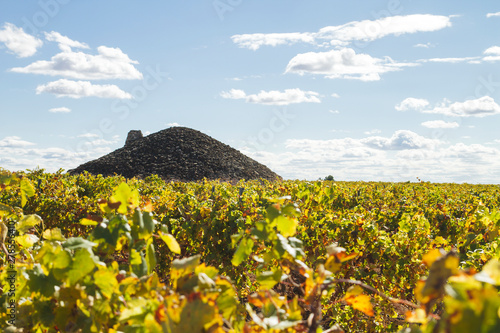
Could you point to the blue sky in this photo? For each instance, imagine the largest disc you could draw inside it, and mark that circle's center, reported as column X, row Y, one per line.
column 362, row 90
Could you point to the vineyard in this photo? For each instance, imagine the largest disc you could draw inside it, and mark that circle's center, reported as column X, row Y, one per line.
column 84, row 253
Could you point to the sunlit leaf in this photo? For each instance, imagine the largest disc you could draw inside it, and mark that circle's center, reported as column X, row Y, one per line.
column 106, row 281
column 27, row 190
column 269, row 279
column 126, row 197
column 171, row 242
column 243, row 252
column 150, row 256
column 81, row 266
column 358, row 300
column 54, row 234
column 28, row 222
column 86, row 221
column 286, row 226
column 27, row 240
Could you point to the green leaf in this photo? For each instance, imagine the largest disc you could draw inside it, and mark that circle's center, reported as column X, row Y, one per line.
column 149, row 223
column 126, row 197
column 171, row 242
column 28, row 222
column 182, row 270
column 135, row 257
column 106, row 281
column 269, row 279
column 136, row 309
column 27, row 190
column 186, row 264
column 243, row 252
column 81, row 266
column 226, row 301
column 27, row 240
column 150, row 256
column 292, row 246
column 286, row 226
column 41, row 282
column 74, row 243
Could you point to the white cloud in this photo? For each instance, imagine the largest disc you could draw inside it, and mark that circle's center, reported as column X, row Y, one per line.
column 255, row 41
column 65, row 43
column 425, row 46
column 374, row 131
column 60, row 110
column 50, row 159
column 455, row 60
column 109, row 63
column 344, row 63
column 493, row 54
column 493, row 50
column 492, row 14
column 440, row 124
column 78, row 89
column 274, row 97
column 411, row 103
column 173, row 125
column 400, row 140
column 335, row 95
column 334, row 111
column 88, row 135
column 343, row 35
column 481, row 107
column 358, row 159
column 19, row 42
column 14, row 142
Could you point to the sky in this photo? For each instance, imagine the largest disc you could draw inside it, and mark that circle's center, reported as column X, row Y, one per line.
column 394, row 90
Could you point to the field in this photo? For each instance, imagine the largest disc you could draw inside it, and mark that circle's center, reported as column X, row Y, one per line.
column 96, row 254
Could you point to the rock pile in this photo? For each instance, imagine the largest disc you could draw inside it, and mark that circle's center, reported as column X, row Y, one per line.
column 177, row 153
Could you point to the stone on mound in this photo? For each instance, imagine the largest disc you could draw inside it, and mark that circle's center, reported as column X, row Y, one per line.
column 177, row 153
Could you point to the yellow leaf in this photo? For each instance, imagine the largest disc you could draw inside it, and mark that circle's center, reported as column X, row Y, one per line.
column 361, row 303
column 86, row 221
column 27, row 240
column 171, row 242
column 431, row 256
column 54, row 234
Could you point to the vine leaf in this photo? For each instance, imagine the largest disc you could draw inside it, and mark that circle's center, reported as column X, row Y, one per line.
column 358, row 300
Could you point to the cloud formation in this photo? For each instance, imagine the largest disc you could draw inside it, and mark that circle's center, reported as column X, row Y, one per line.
column 19, row 42
column 343, row 35
column 274, row 97
column 493, row 15
column 440, row 124
column 400, row 140
column 14, row 142
column 411, row 103
column 110, row 63
column 480, row 107
column 65, row 43
column 60, row 110
column 401, row 157
column 491, row 54
column 344, row 63
column 79, row 89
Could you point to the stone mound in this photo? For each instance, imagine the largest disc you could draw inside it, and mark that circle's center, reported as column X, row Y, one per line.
column 177, row 153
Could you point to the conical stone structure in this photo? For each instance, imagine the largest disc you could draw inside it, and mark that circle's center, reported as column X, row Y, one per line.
column 178, row 153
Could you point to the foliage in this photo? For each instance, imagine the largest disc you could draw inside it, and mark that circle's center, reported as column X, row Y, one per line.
column 249, row 257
